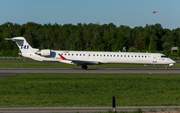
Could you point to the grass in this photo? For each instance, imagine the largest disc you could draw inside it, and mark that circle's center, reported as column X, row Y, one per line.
column 37, row 64
column 89, row 90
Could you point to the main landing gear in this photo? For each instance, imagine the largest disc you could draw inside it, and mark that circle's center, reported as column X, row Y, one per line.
column 84, row 67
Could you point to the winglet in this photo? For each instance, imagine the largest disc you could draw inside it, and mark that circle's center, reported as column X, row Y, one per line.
column 62, row 57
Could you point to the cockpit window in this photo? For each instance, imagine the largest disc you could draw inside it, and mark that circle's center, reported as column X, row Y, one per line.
column 164, row 56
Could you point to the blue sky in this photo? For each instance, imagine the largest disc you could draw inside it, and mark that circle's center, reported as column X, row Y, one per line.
column 119, row 12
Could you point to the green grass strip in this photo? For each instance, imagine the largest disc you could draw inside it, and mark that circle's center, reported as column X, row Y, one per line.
column 89, row 90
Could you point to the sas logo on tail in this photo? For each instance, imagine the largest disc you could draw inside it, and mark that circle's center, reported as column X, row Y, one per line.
column 25, row 47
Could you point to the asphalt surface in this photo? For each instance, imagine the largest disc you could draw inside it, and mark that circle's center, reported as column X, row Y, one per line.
column 4, row 72
column 84, row 109
column 92, row 70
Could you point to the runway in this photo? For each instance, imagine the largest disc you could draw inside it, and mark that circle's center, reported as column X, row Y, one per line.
column 85, row 109
column 92, row 70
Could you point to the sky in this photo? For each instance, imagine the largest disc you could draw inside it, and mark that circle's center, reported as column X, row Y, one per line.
column 132, row 13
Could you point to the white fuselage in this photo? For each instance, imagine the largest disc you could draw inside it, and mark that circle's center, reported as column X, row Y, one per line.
column 104, row 57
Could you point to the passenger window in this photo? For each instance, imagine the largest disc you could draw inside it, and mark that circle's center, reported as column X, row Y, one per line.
column 117, row 55
column 61, row 53
column 104, row 55
column 72, row 54
column 139, row 56
column 128, row 55
column 142, row 56
column 135, row 55
column 124, row 55
column 107, row 55
column 101, row 55
column 68, row 54
column 110, row 55
column 76, row 54
column 80, row 55
column 132, row 56
column 89, row 55
column 97, row 54
column 83, row 54
column 114, row 55
column 121, row 56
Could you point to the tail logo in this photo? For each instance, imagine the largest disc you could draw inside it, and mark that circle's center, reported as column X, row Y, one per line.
column 25, row 47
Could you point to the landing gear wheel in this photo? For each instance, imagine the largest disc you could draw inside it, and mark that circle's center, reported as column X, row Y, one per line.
column 166, row 67
column 84, row 67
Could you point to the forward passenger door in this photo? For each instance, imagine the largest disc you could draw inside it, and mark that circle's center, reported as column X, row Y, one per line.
column 154, row 60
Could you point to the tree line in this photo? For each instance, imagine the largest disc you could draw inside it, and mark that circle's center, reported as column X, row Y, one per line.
column 89, row 37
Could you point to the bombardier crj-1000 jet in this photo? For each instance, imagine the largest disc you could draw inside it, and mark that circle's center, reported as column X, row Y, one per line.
column 84, row 58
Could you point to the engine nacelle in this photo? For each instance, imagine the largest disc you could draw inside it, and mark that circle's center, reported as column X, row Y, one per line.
column 45, row 52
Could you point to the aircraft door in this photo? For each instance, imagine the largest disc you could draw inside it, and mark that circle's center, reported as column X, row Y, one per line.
column 88, row 56
column 154, row 60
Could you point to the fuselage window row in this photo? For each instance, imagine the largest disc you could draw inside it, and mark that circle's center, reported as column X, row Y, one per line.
column 109, row 55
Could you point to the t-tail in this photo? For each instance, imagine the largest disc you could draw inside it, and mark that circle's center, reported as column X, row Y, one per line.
column 23, row 45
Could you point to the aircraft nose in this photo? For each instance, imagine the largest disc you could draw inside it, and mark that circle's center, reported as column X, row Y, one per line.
column 172, row 61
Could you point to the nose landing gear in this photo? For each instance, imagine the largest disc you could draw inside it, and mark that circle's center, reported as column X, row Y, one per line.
column 166, row 67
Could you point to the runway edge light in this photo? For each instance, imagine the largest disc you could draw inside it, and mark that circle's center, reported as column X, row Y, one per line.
column 114, row 103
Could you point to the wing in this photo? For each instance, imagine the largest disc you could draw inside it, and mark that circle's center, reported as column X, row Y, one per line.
column 80, row 62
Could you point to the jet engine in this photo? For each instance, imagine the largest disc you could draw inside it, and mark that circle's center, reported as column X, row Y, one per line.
column 44, row 52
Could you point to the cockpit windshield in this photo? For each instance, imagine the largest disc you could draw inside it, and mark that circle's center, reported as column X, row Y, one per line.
column 164, row 56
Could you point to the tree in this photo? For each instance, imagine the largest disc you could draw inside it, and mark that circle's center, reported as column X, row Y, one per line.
column 121, row 41
column 133, row 49
column 109, row 39
column 92, row 37
column 140, row 42
column 152, row 44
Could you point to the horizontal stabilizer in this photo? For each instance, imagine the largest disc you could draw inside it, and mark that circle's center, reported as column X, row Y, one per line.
column 7, row 38
column 15, row 38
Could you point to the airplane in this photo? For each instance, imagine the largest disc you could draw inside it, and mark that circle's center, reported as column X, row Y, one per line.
column 155, row 12
column 84, row 58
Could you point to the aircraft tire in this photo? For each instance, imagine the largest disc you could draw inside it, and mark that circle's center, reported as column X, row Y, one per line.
column 84, row 67
column 166, row 67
